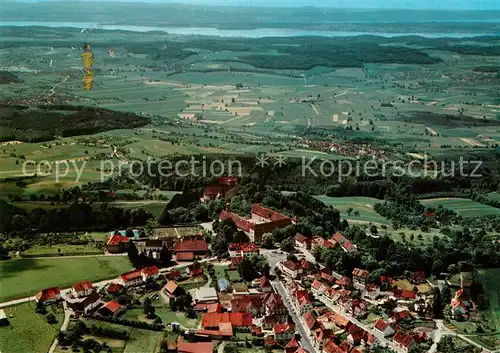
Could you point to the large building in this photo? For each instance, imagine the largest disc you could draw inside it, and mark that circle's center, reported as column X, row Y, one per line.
column 263, row 220
column 117, row 243
column 224, row 188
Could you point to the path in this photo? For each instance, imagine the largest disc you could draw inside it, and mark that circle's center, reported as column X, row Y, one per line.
column 221, row 347
column 314, row 108
column 64, row 326
column 52, row 90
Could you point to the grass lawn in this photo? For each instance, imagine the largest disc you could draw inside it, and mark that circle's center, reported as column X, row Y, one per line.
column 233, row 276
column 490, row 278
column 364, row 205
column 405, row 284
column 168, row 316
column 463, row 207
column 28, row 331
column 142, row 341
column 25, row 277
column 220, row 271
column 419, row 237
column 61, row 249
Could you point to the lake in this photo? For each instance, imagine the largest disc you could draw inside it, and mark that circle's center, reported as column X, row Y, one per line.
column 252, row 33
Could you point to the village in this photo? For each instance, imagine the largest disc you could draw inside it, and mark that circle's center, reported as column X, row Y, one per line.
column 293, row 304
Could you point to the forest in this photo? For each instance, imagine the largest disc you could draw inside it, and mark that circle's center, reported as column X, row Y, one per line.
column 43, row 123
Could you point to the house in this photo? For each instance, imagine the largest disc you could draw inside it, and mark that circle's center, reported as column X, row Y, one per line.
column 115, row 288
column 371, row 291
column 82, row 289
column 172, row 289
column 3, row 318
column 385, row 282
column 460, row 305
column 194, row 347
column 355, row 335
column 326, row 275
column 290, row 268
column 243, row 249
column 184, row 256
column 198, row 247
column 303, row 301
column 284, row 332
column 117, row 243
column 305, row 266
column 310, row 320
column 331, row 347
column 241, row 321
column 357, row 308
column 249, row 304
column 205, row 295
column 214, row 308
column 173, row 275
column 400, row 315
column 383, row 328
column 275, row 307
column 150, row 273
column 404, row 294
column 270, row 342
column 48, row 296
column 292, row 346
column 344, row 281
column 302, row 241
column 265, row 285
column 131, row 279
column 359, row 276
column 111, row 308
column 322, row 243
column 222, row 189
column 317, row 288
column 85, row 304
column 346, row 346
column 319, row 337
column 404, row 341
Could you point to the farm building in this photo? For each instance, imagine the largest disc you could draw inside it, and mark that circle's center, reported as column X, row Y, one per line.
column 206, row 295
column 48, row 296
column 117, row 244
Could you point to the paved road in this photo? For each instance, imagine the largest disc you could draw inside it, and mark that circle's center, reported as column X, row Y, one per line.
column 64, row 326
column 300, row 325
column 380, row 337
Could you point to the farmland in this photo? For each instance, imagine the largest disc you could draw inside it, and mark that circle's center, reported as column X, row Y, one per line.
column 28, row 331
column 490, row 278
column 25, row 277
column 463, row 207
column 363, row 205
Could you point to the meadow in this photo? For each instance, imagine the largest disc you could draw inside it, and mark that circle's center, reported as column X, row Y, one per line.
column 25, row 277
column 142, row 341
column 463, row 207
column 27, row 330
column 364, row 205
column 490, row 278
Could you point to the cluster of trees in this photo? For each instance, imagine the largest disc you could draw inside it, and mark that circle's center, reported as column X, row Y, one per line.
column 44, row 122
column 143, row 259
column 252, row 267
column 16, row 222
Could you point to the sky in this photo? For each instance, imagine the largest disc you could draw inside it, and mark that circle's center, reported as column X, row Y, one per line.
column 379, row 4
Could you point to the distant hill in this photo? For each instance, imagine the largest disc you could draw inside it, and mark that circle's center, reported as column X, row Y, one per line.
column 43, row 123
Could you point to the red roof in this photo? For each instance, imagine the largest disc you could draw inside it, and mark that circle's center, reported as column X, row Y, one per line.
column 403, row 339
column 293, row 344
column 302, row 239
column 173, row 274
column 227, row 180
column 240, row 222
column 419, row 275
column 331, row 347
column 184, row 256
column 112, row 306
column 48, row 294
column 347, row 245
column 326, row 275
column 116, row 239
column 345, row 346
column 310, row 320
column 150, row 271
column 292, row 266
column 270, row 342
column 114, row 288
column 360, row 273
column 236, row 319
column 344, row 281
column 130, row 276
column 305, row 265
column 404, row 294
column 381, row 325
column 316, row 284
column 264, row 282
column 384, row 279
column 213, row 190
column 81, row 286
column 196, row 272
column 214, row 308
column 282, row 328
column 197, row 347
column 339, row 238
column 324, row 242
column 236, row 260
column 193, row 245
column 267, row 213
column 400, row 315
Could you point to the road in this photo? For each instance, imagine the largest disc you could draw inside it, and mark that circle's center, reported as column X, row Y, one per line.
column 380, row 337
column 300, row 325
column 67, row 315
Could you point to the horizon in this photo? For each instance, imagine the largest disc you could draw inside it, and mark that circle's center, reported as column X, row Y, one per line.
column 452, row 5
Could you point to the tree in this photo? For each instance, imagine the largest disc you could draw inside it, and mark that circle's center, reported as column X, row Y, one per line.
column 19, row 222
column 288, row 245
column 51, row 318
column 246, row 269
column 201, row 212
column 165, row 255
column 241, row 237
column 373, row 229
column 482, row 302
column 349, row 211
column 129, row 233
column 133, row 254
column 445, row 295
column 267, row 241
column 147, row 308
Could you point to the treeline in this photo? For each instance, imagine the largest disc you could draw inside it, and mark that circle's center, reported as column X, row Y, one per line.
column 7, row 77
column 17, row 222
column 44, row 123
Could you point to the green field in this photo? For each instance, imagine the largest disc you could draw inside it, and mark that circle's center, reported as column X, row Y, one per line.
column 62, row 249
column 28, row 331
column 25, row 277
column 490, row 278
column 463, row 207
column 142, row 341
column 364, row 205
